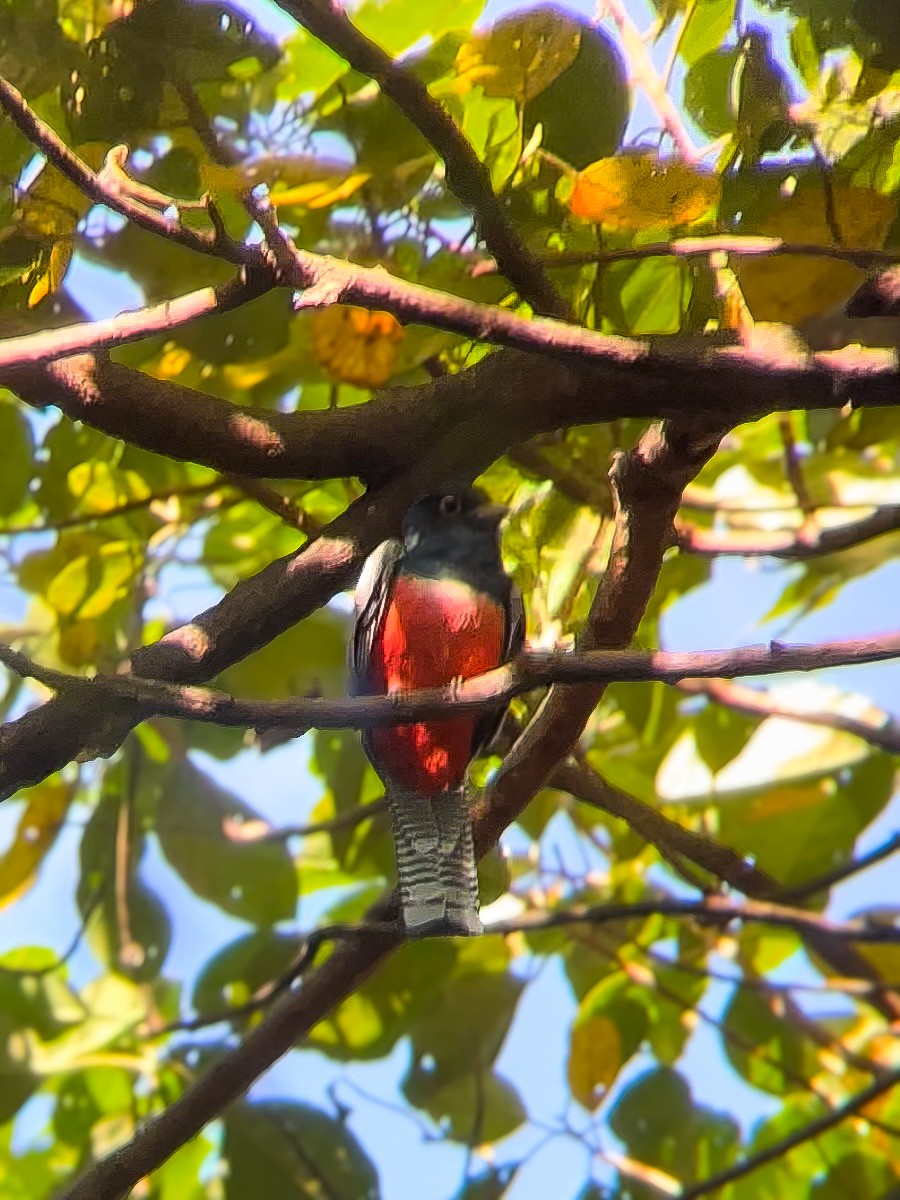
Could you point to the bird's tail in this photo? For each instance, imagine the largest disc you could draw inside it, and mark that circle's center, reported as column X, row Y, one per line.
column 435, row 864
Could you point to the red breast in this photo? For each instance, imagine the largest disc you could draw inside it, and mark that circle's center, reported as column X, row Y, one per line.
column 434, row 631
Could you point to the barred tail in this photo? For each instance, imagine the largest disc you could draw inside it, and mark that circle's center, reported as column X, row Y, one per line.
column 435, row 864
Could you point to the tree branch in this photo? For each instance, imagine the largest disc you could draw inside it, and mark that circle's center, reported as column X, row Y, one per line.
column 884, row 736
column 805, row 1133
column 529, row 670
column 670, row 838
column 106, row 188
column 644, row 73
column 735, row 244
column 32, row 349
column 810, row 541
column 467, row 177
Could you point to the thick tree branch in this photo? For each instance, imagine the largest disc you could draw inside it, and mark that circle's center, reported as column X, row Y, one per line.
column 467, row 177
column 884, row 735
column 529, row 670
column 648, row 484
column 810, row 541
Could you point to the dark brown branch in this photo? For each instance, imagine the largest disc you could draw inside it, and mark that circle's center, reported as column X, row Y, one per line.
column 530, row 670
column 362, row 948
column 809, row 542
column 467, row 177
column 723, row 863
column 805, row 1133
column 102, row 187
column 884, row 735
column 838, row 874
column 668, row 836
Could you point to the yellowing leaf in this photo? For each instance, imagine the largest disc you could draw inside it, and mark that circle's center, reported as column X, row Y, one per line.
column 321, row 193
column 640, row 191
column 78, row 643
column 356, row 346
column 790, row 288
column 595, row 1056
column 51, row 272
column 520, row 56
column 36, row 832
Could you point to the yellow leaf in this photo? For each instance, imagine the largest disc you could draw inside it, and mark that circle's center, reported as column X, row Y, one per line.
column 356, row 346
column 52, row 206
column 595, row 1056
column 792, row 287
column 78, row 643
column 520, row 56
column 172, row 362
column 321, row 193
column 640, row 191
column 52, row 271
column 36, row 832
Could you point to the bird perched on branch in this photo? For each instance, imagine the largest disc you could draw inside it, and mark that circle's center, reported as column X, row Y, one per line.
column 434, row 607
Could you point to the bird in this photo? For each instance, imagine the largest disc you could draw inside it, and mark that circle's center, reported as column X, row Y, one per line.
column 431, row 608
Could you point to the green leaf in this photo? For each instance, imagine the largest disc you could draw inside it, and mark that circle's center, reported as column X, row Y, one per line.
column 663, row 1127
column 492, row 126
column 584, row 111
column 706, row 28
column 768, row 1050
column 308, row 66
column 308, row 657
column 36, row 832
column 18, row 447
column 805, row 53
column 370, row 1021
column 611, row 1024
column 652, row 297
column 479, row 1106
column 236, row 972
column 88, row 1096
column 255, row 881
column 297, row 1150
column 707, row 92
column 396, row 25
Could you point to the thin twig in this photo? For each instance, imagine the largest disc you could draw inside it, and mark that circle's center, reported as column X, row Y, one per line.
column 798, row 1137
column 828, row 879
column 811, row 541
column 885, row 735
column 102, row 188
column 119, row 510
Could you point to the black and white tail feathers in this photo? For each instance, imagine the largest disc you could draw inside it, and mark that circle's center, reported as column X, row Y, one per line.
column 435, row 863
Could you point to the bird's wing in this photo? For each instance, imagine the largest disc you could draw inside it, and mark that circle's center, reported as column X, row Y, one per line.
column 488, row 726
column 371, row 600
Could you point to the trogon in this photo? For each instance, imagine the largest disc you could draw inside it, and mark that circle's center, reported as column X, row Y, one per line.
column 434, row 607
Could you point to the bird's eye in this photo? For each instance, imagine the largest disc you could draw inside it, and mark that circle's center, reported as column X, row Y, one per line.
column 449, row 506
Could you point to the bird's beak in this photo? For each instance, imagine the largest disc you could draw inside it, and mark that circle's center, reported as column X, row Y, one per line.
column 489, row 516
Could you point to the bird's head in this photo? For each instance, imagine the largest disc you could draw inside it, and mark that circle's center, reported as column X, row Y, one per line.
column 452, row 512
